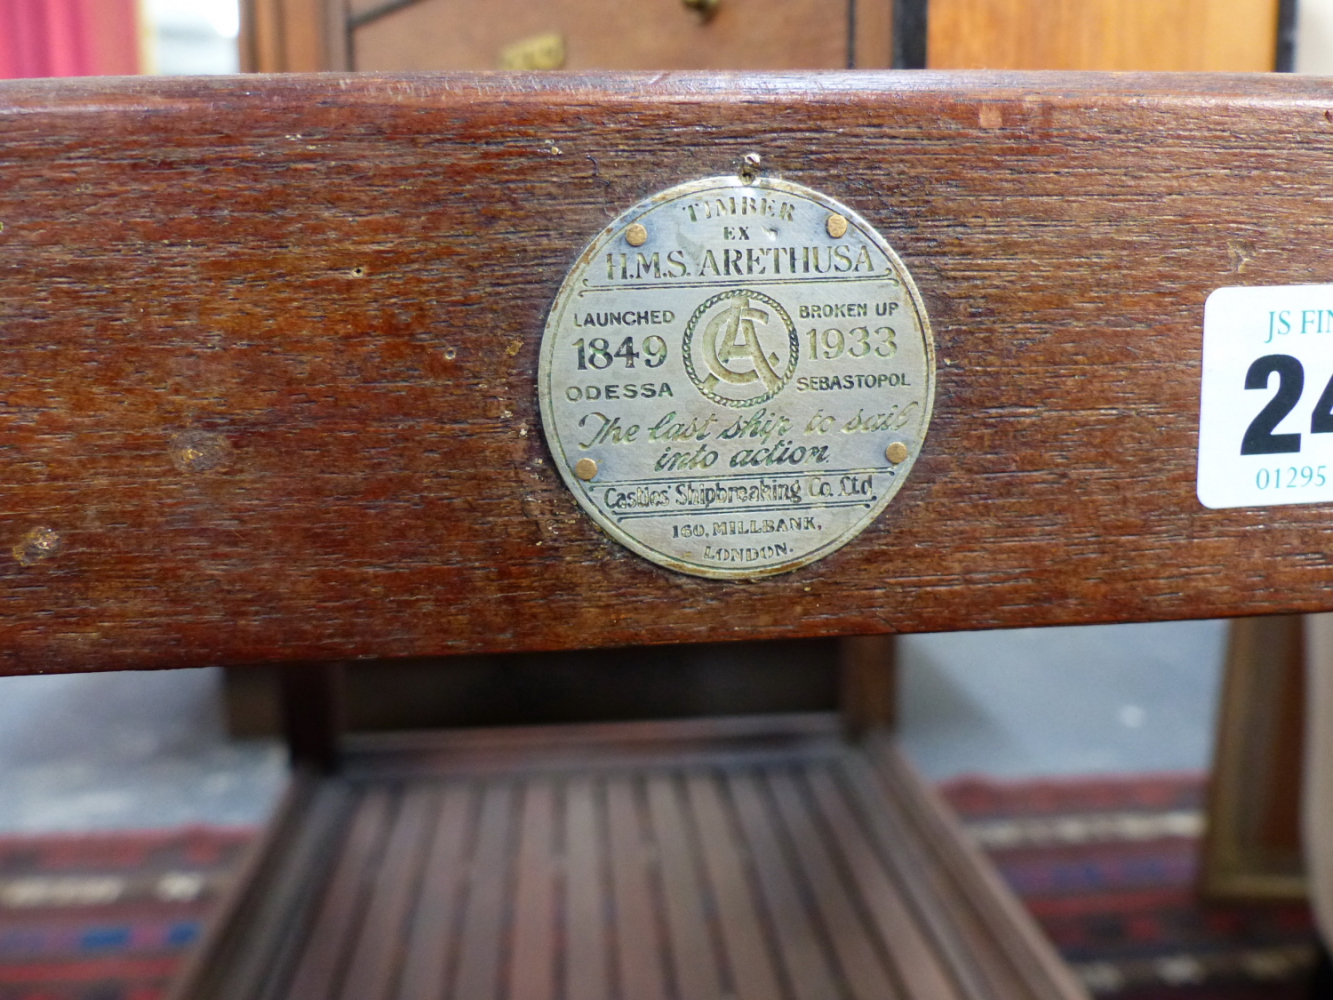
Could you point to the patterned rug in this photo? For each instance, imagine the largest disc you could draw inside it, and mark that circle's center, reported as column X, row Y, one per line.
column 1109, row 866
column 107, row 916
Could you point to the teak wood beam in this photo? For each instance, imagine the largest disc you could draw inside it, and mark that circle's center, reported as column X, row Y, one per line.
column 269, row 352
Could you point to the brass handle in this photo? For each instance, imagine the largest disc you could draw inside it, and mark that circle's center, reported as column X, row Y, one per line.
column 535, row 52
column 705, row 7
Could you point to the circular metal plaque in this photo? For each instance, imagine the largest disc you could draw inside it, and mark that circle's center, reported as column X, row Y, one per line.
column 736, row 377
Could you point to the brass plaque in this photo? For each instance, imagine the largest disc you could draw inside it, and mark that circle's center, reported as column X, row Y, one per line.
column 736, row 377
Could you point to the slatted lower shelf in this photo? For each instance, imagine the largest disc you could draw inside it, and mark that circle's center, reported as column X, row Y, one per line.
column 743, row 866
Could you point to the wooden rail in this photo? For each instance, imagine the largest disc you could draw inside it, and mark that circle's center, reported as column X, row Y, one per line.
column 268, row 351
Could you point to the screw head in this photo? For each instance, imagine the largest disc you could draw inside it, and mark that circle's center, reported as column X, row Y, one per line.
column 749, row 171
column 636, row 235
column 896, row 453
column 836, row 226
column 585, row 469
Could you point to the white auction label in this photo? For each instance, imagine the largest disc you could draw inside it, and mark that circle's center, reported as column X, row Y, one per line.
column 1266, row 407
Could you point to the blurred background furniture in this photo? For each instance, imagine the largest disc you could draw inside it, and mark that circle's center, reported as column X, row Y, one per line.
column 297, row 35
column 1253, row 845
column 1210, row 35
column 1166, row 35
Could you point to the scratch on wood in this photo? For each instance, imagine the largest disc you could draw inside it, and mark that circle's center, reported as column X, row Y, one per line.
column 199, row 451
column 38, row 544
column 1240, row 253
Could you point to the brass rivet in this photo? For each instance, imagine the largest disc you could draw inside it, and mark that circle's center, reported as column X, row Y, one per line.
column 836, row 226
column 585, row 469
column 636, row 235
column 896, row 453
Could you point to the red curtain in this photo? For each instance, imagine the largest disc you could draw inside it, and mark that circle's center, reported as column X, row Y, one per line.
column 68, row 38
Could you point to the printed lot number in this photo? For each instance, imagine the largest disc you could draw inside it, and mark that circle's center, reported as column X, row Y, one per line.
column 1304, row 476
column 1259, row 438
column 1267, row 397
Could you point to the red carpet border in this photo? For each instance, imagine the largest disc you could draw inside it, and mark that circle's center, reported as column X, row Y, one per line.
column 1109, row 867
column 108, row 916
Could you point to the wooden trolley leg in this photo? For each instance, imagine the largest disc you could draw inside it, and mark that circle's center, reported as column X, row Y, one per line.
column 1252, row 845
column 312, row 713
column 868, row 683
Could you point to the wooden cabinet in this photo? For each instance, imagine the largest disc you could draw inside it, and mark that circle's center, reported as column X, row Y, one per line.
column 1216, row 35
column 296, row 35
column 396, row 35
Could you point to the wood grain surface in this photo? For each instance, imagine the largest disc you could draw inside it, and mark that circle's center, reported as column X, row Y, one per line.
column 269, row 350
column 1214, row 35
